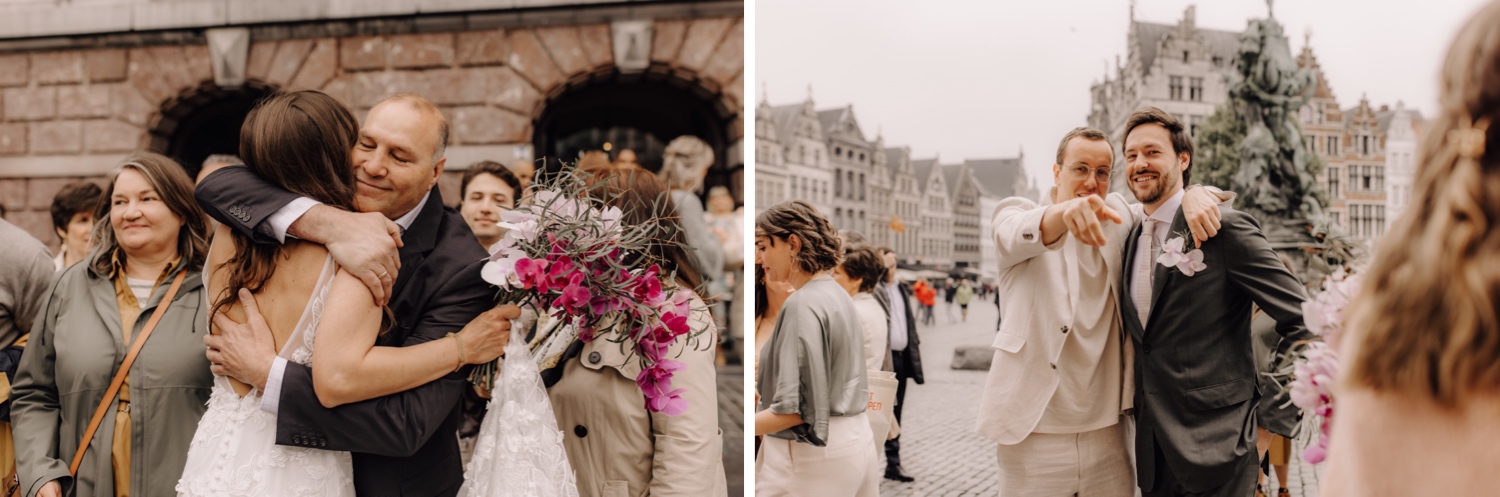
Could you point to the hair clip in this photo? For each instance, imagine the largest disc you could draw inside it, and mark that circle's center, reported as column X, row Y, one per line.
column 1470, row 140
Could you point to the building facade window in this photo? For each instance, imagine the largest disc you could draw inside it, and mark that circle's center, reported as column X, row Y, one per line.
column 1174, row 84
column 1333, row 183
column 1333, row 145
column 1195, row 90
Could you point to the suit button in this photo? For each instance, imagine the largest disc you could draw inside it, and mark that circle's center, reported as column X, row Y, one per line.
column 297, row 439
column 1054, row 365
column 322, row 443
column 580, row 430
column 1147, row 349
column 1065, row 330
column 593, row 358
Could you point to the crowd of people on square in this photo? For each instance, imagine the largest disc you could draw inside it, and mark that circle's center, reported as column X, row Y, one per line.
column 168, row 346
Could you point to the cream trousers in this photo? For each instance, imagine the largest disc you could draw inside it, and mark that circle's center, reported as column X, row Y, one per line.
column 1088, row 464
column 845, row 467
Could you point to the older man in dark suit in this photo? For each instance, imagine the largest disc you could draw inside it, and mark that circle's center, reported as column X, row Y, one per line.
column 906, row 358
column 1195, row 369
column 402, row 444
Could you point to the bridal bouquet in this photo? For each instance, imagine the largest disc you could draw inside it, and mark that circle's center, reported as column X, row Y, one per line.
column 571, row 254
column 1316, row 364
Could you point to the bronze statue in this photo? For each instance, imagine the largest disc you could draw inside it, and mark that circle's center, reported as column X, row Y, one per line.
column 1266, row 92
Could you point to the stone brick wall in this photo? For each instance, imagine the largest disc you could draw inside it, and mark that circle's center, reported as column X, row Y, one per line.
column 73, row 114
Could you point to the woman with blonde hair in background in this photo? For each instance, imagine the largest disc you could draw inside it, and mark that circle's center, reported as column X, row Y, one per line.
column 685, row 163
column 1419, row 397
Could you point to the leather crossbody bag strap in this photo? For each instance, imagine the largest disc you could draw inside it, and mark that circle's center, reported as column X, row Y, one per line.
column 114, row 385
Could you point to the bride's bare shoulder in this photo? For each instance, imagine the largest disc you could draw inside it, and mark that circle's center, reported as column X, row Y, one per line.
column 296, row 261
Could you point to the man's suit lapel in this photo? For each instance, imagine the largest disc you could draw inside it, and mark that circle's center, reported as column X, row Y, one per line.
column 419, row 240
column 1127, row 303
column 1160, row 273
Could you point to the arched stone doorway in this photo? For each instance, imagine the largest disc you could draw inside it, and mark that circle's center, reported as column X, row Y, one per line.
column 641, row 112
column 204, row 120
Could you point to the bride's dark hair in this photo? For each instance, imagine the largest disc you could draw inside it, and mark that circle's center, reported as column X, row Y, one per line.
column 300, row 141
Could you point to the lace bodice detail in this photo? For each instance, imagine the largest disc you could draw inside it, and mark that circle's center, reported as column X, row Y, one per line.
column 234, row 451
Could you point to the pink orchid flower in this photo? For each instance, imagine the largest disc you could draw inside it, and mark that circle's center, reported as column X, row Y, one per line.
column 530, row 272
column 1172, row 256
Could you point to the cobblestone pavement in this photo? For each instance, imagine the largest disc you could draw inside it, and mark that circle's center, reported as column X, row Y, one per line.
column 939, row 446
column 732, row 422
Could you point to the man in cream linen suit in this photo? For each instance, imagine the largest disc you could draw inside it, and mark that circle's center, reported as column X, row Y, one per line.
column 1061, row 378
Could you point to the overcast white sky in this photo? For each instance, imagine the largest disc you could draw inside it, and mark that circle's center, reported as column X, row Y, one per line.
column 980, row 79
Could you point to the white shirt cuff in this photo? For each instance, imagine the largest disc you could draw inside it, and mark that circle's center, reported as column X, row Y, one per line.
column 283, row 218
column 270, row 400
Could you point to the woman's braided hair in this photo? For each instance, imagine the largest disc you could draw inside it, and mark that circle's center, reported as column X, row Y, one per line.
column 1425, row 321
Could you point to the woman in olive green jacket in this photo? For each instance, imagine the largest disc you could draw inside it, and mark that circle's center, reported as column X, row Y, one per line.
column 150, row 229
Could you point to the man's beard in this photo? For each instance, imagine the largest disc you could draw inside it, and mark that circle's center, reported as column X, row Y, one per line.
column 1153, row 195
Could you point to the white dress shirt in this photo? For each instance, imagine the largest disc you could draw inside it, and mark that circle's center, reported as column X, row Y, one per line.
column 898, row 315
column 270, row 400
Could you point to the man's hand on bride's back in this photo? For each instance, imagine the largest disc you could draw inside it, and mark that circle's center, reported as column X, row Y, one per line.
column 364, row 243
column 485, row 338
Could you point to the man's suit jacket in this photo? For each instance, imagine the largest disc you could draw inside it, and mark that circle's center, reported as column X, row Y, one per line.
column 907, row 363
column 402, row 444
column 1044, row 302
column 1195, row 372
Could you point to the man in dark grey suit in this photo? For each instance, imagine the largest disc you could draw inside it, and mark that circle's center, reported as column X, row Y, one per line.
column 1195, row 371
column 405, row 443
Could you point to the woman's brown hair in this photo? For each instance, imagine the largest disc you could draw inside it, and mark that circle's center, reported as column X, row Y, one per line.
column 300, row 141
column 864, row 264
column 642, row 198
column 171, row 182
column 1424, row 323
column 820, row 242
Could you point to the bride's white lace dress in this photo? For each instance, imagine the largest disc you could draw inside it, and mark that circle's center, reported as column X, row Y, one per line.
column 234, row 452
column 519, row 450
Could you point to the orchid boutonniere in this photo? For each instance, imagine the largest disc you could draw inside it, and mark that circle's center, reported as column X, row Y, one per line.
column 1172, row 256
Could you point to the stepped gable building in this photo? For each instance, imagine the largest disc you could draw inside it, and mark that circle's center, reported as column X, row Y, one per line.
column 1400, row 126
column 936, row 209
column 906, row 201
column 882, row 208
column 1364, row 162
column 803, row 148
column 771, row 176
column 1179, row 68
column 851, row 157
